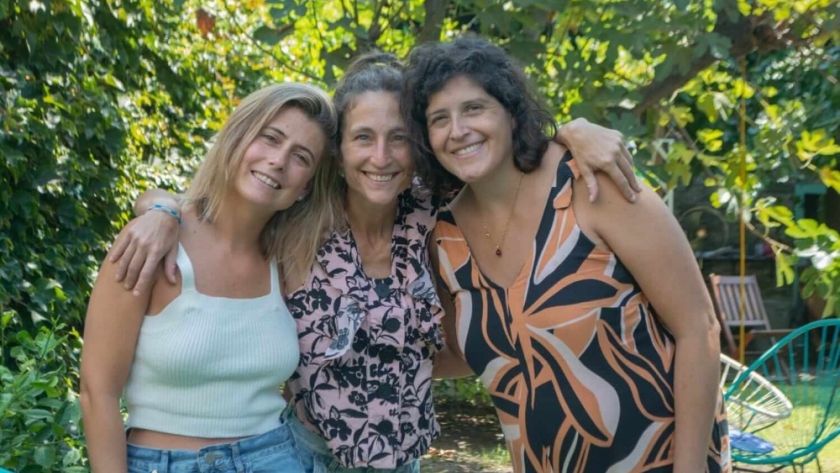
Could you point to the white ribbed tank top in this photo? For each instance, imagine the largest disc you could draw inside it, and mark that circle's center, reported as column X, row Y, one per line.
column 212, row 367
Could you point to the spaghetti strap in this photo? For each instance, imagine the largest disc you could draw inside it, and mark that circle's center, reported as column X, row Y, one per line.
column 275, row 279
column 187, row 272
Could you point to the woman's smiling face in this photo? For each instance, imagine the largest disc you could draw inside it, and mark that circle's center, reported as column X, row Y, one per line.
column 375, row 155
column 279, row 164
column 470, row 132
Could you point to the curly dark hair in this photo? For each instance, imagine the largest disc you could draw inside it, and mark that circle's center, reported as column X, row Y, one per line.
column 430, row 66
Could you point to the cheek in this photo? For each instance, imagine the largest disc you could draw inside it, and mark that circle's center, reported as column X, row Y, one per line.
column 402, row 155
column 437, row 138
column 302, row 176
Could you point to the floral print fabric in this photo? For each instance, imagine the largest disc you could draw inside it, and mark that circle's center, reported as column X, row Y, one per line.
column 367, row 345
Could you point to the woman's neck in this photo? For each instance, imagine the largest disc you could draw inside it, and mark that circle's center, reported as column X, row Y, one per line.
column 238, row 229
column 497, row 190
column 370, row 223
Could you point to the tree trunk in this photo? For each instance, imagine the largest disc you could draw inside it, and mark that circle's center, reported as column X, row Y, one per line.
column 433, row 24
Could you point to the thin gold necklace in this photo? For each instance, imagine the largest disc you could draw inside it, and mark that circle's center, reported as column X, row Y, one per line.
column 507, row 224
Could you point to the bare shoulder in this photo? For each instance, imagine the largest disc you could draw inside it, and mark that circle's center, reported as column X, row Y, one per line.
column 553, row 155
column 611, row 199
column 612, row 215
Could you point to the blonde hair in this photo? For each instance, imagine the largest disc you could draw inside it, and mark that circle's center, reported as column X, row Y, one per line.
column 307, row 225
column 211, row 181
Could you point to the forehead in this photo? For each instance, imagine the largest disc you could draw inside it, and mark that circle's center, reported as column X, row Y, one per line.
column 299, row 128
column 457, row 89
column 374, row 109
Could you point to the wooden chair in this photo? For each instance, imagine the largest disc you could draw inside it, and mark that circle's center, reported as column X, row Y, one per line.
column 727, row 295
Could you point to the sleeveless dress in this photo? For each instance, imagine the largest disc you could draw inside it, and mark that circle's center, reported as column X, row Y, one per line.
column 580, row 369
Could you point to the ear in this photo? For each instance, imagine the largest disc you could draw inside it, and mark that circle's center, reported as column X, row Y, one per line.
column 339, row 161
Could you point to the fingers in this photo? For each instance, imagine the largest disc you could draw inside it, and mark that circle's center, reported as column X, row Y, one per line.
column 169, row 264
column 628, row 170
column 123, row 239
column 630, row 175
column 591, row 183
column 147, row 275
column 125, row 259
column 138, row 260
column 617, row 174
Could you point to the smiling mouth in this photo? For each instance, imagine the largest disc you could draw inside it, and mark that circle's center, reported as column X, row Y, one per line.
column 266, row 180
column 469, row 149
column 380, row 177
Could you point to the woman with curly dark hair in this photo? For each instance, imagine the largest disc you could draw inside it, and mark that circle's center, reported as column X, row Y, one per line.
column 554, row 294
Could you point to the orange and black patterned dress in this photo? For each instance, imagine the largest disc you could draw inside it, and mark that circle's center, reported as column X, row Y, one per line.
column 579, row 367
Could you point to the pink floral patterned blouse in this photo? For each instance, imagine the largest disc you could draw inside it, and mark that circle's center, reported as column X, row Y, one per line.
column 365, row 374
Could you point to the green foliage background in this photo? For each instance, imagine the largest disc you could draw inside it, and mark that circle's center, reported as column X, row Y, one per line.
column 101, row 99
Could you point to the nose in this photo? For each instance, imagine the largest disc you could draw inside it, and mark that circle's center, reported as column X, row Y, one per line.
column 381, row 154
column 279, row 159
column 459, row 129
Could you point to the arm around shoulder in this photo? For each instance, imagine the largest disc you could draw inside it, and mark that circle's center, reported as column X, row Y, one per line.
column 449, row 362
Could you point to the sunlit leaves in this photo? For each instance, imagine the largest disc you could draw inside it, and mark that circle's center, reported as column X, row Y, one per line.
column 815, row 143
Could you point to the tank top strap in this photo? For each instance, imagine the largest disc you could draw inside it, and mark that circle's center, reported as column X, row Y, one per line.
column 567, row 173
column 275, row 279
column 186, row 267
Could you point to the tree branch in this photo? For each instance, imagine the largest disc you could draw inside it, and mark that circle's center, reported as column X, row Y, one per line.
column 739, row 33
column 261, row 47
column 433, row 24
column 746, row 34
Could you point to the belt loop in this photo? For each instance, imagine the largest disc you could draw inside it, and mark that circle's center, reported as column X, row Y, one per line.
column 164, row 462
column 237, row 458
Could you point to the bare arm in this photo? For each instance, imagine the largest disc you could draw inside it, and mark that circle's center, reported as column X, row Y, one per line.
column 112, row 326
column 650, row 243
column 596, row 148
column 449, row 362
column 146, row 240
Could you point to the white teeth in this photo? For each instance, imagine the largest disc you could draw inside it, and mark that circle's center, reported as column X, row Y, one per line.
column 266, row 180
column 469, row 149
column 380, row 177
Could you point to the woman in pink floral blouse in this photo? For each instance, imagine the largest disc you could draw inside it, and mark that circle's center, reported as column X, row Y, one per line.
column 358, row 282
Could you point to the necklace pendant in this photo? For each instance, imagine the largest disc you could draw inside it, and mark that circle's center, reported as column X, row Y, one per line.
column 498, row 251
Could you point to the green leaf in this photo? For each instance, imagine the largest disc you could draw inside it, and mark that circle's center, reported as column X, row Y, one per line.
column 830, row 178
column 784, row 268
column 272, row 36
column 36, row 414
column 45, row 456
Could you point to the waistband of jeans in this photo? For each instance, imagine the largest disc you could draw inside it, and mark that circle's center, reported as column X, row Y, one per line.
column 241, row 448
column 305, row 438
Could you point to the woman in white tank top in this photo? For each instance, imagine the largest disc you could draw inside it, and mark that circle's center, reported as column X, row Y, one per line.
column 201, row 362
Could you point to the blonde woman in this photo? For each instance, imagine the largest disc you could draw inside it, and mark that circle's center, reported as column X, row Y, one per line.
column 201, row 362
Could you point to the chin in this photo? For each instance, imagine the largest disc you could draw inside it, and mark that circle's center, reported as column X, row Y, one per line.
column 381, row 198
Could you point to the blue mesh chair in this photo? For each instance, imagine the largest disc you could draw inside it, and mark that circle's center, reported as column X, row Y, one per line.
column 805, row 366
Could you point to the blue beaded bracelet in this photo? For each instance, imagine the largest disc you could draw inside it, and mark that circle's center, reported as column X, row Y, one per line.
column 168, row 210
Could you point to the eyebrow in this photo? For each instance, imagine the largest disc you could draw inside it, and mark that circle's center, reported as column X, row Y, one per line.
column 284, row 135
column 367, row 129
column 481, row 100
column 435, row 112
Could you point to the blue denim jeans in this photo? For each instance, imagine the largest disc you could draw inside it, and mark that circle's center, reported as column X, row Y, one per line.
column 272, row 452
column 315, row 456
